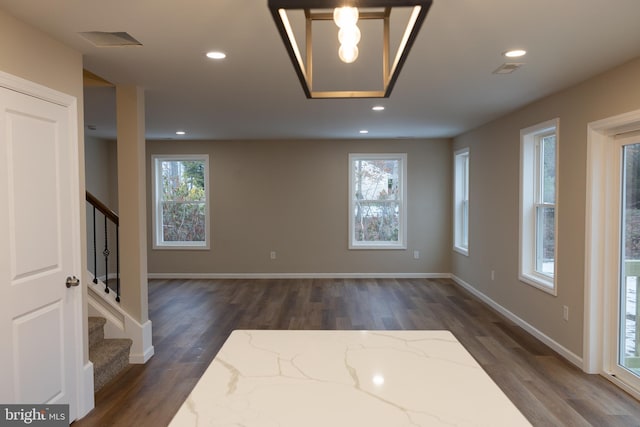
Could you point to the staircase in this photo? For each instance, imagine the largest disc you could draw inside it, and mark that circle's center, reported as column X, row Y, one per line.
column 109, row 356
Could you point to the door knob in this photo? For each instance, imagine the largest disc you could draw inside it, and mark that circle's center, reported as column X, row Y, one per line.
column 72, row 281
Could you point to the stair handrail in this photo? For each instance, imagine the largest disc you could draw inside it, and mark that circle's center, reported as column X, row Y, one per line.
column 110, row 215
column 106, row 211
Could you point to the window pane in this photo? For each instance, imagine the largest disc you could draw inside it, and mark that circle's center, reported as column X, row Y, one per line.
column 545, row 240
column 183, row 221
column 183, row 201
column 465, row 178
column 183, row 180
column 377, row 179
column 465, row 224
column 549, row 169
column 377, row 191
column 377, row 221
column 461, row 201
column 632, row 201
column 629, row 311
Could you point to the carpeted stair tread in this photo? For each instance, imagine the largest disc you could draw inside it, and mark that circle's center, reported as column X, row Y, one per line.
column 109, row 358
column 96, row 330
column 101, row 353
column 96, row 323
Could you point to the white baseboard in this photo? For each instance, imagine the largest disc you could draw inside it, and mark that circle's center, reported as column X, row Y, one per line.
column 298, row 275
column 86, row 400
column 120, row 324
column 558, row 348
column 141, row 353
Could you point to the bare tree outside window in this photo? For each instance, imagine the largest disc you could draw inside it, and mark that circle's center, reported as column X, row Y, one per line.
column 377, row 210
column 181, row 201
column 377, row 200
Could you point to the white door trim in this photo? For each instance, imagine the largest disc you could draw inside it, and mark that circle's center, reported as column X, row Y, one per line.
column 600, row 230
column 85, row 400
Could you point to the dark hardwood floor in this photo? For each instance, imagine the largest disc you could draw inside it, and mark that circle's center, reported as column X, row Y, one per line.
column 192, row 319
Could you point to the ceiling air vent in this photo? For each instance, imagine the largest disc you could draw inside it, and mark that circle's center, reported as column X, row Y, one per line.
column 106, row 39
column 508, row 68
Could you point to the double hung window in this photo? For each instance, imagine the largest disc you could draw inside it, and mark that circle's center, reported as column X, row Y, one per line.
column 181, row 202
column 461, row 201
column 377, row 201
column 539, row 183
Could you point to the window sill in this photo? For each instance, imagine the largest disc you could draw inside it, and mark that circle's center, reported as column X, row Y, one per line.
column 386, row 246
column 182, row 247
column 545, row 285
column 461, row 250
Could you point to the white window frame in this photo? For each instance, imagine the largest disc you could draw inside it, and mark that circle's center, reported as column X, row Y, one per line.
column 530, row 201
column 402, row 232
column 602, row 232
column 461, row 201
column 158, row 242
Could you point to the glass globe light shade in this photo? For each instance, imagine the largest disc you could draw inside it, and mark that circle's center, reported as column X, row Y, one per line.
column 345, row 16
column 348, row 54
column 349, row 36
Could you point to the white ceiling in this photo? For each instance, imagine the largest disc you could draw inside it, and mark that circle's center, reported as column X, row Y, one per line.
column 445, row 88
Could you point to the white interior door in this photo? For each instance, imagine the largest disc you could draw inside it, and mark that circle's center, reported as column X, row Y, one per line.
column 39, row 228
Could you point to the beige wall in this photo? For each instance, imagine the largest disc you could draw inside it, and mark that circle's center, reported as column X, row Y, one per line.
column 291, row 197
column 102, row 170
column 130, row 117
column 494, row 202
column 28, row 53
column 32, row 55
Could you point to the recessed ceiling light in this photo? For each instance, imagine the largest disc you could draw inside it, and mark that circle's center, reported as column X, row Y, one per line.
column 364, row 131
column 515, row 53
column 180, row 132
column 216, row 55
column 378, row 108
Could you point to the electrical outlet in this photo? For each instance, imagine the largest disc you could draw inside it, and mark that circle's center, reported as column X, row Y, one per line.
column 493, row 275
column 565, row 313
column 272, row 255
column 416, row 254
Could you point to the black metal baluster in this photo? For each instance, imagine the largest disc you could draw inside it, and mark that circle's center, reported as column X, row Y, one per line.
column 117, row 263
column 106, row 257
column 95, row 250
column 109, row 216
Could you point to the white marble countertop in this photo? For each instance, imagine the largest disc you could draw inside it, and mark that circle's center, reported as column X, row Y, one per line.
column 345, row 378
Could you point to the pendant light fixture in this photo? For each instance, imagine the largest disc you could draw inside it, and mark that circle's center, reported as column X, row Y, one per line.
column 347, row 16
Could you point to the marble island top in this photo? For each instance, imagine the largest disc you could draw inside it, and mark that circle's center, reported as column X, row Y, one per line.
column 345, row 378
